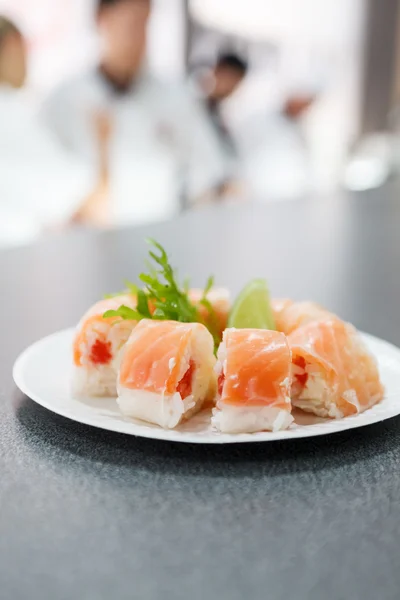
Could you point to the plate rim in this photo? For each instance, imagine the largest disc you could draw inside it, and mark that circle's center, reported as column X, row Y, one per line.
column 176, row 436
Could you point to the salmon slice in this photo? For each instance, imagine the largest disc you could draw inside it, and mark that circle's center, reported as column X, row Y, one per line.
column 279, row 307
column 334, row 374
column 167, row 372
column 97, row 348
column 290, row 315
column 254, row 377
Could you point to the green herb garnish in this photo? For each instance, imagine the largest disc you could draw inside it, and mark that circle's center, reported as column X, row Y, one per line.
column 125, row 313
column 163, row 299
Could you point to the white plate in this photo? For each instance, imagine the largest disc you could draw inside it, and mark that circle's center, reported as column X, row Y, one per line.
column 42, row 372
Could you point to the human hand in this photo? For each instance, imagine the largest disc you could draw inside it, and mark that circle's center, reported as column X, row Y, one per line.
column 103, row 127
column 296, row 106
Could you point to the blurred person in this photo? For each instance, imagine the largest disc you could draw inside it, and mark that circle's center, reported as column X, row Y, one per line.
column 275, row 158
column 12, row 56
column 273, row 148
column 297, row 105
column 266, row 143
column 279, row 165
column 159, row 140
column 218, row 85
column 40, row 184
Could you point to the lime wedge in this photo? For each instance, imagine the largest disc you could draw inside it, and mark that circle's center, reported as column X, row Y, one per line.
column 252, row 308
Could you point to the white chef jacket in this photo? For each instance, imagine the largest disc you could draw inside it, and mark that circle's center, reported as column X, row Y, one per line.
column 41, row 184
column 162, row 142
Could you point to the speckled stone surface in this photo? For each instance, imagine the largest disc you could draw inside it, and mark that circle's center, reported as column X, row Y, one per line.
column 90, row 515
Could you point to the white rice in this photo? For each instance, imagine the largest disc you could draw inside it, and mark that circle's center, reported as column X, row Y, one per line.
column 96, row 379
column 316, row 396
column 249, row 419
column 165, row 411
column 100, row 380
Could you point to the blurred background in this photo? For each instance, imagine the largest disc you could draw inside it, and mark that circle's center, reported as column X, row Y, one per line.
column 115, row 112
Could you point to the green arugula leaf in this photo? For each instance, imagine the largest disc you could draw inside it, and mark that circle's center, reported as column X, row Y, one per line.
column 209, row 285
column 142, row 304
column 186, row 285
column 162, row 298
column 150, row 267
column 124, row 312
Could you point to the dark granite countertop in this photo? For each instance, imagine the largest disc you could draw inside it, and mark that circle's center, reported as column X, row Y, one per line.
column 90, row 515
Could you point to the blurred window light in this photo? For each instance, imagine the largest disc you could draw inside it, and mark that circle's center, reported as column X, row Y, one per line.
column 290, row 21
column 371, row 164
column 365, row 174
column 166, row 52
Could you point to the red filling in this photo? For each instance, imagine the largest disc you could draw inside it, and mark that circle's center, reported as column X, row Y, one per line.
column 100, row 353
column 221, row 381
column 302, row 379
column 184, row 387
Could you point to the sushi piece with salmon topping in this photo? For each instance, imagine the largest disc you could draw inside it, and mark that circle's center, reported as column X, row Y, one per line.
column 279, row 307
column 167, row 372
column 97, row 348
column 290, row 315
column 254, row 378
column 334, row 374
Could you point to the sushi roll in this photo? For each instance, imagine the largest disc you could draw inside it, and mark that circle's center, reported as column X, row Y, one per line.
column 254, row 377
column 167, row 372
column 97, row 348
column 290, row 315
column 334, row 375
column 220, row 300
column 279, row 307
